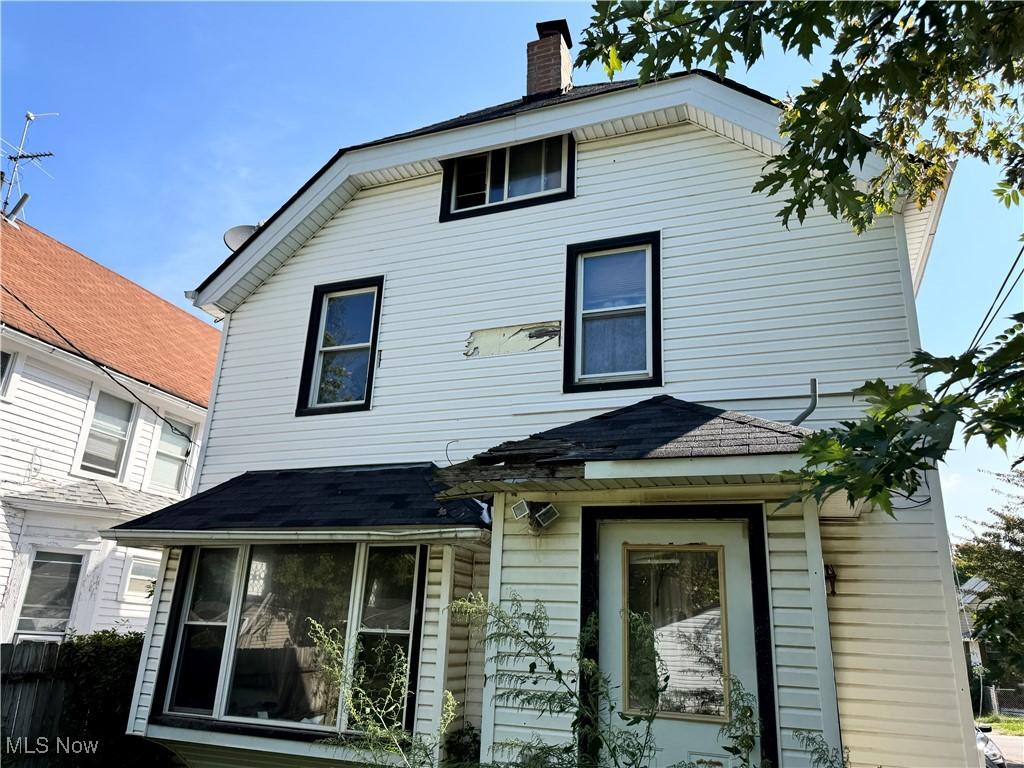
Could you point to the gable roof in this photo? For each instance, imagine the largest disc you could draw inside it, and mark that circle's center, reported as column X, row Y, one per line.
column 100, row 494
column 111, row 319
column 320, row 497
column 662, row 427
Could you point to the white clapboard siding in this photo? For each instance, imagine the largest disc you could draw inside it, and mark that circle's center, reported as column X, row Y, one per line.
column 473, row 706
column 153, row 646
column 431, row 673
column 898, row 658
column 11, row 522
column 742, row 296
column 113, row 609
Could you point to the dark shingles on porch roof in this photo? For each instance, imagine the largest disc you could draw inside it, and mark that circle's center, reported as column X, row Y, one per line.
column 660, row 428
column 321, row 497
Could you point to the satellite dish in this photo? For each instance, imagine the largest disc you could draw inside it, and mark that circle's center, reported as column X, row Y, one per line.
column 235, row 236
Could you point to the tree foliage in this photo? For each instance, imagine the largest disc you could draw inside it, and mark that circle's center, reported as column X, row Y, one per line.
column 917, row 84
column 995, row 553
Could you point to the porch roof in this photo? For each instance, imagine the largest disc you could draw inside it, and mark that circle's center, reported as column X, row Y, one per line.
column 652, row 440
column 322, row 498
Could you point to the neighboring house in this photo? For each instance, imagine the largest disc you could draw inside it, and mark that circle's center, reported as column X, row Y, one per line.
column 971, row 599
column 96, row 370
column 575, row 297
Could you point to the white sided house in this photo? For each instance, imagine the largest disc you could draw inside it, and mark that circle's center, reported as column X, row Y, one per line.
column 95, row 372
column 571, row 300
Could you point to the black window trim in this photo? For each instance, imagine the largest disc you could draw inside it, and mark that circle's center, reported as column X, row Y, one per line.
column 302, row 407
column 448, row 185
column 650, row 240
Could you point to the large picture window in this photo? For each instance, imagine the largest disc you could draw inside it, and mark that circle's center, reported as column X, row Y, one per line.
column 613, row 314
column 341, row 347
column 244, row 651
column 525, row 174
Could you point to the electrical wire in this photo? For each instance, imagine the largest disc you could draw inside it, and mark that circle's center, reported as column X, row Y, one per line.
column 990, row 315
column 1009, row 292
column 100, row 366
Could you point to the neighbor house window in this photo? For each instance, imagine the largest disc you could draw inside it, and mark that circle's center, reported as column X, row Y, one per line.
column 46, row 609
column 172, row 452
column 6, row 369
column 269, row 671
column 680, row 591
column 613, row 314
column 511, row 177
column 141, row 578
column 108, row 435
column 341, row 347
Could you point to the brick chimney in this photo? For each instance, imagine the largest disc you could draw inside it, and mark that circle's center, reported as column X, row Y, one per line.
column 548, row 64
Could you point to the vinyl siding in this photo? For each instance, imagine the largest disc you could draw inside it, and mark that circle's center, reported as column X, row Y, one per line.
column 782, row 305
column 899, row 662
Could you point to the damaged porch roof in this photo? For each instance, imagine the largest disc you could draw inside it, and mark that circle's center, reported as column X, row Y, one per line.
column 662, row 427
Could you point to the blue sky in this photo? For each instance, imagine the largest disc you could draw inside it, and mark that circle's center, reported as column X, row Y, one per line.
column 179, row 120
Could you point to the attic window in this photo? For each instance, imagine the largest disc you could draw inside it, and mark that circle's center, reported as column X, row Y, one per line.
column 511, row 177
column 341, row 347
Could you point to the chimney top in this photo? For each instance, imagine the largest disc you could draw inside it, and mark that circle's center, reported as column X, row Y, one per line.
column 555, row 27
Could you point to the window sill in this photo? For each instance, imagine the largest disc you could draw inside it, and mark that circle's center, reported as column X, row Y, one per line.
column 85, row 474
column 569, row 387
column 325, row 409
column 508, row 205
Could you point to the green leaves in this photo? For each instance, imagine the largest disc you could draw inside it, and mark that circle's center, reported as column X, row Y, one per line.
column 918, row 84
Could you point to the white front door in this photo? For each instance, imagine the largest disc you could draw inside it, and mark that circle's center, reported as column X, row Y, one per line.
column 692, row 580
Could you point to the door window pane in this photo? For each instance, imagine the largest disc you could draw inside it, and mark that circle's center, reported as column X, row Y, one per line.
column 525, row 168
column 680, row 591
column 276, row 674
column 614, row 343
column 108, row 435
column 50, row 592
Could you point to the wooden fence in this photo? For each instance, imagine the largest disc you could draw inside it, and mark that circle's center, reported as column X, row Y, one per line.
column 31, row 699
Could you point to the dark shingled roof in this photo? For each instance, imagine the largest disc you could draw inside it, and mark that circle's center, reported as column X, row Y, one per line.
column 321, row 497
column 99, row 494
column 660, row 428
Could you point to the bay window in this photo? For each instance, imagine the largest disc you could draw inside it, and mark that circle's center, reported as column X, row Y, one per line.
column 244, row 652
column 613, row 314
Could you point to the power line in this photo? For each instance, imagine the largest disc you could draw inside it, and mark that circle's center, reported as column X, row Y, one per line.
column 990, row 315
column 1009, row 292
column 100, row 365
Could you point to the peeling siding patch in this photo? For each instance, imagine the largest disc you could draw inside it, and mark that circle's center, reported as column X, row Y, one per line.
column 513, row 339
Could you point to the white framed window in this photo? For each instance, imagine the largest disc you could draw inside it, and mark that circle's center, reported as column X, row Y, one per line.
column 7, row 361
column 170, row 459
column 341, row 347
column 613, row 314
column 139, row 578
column 243, row 652
column 49, row 596
column 106, row 443
column 508, row 177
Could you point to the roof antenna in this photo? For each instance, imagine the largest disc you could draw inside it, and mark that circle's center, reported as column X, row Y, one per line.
column 15, row 160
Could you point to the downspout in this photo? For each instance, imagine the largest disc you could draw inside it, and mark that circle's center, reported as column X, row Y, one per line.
column 810, row 406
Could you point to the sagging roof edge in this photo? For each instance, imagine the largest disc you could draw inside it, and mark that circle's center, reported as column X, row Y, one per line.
column 451, row 125
column 163, row 537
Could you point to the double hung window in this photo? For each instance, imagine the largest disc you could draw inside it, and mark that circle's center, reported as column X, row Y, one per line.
column 613, row 314
column 172, row 452
column 50, row 595
column 106, row 443
column 244, row 649
column 341, row 347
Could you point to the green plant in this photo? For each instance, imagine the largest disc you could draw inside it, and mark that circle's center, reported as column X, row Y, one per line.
column 462, row 747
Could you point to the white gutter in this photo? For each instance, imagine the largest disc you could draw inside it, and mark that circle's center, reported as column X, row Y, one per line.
column 168, row 538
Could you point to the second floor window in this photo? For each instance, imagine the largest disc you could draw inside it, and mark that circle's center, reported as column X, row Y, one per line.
column 106, row 444
column 510, row 177
column 172, row 453
column 341, row 347
column 613, row 314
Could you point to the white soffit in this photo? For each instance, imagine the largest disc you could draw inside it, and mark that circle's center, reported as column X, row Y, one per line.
column 711, row 105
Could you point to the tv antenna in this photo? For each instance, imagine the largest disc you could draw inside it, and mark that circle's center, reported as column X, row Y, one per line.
column 16, row 159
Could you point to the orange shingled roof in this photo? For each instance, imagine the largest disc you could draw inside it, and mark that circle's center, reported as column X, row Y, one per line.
column 107, row 316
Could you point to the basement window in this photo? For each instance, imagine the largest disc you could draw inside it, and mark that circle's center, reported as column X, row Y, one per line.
column 341, row 347
column 511, row 177
column 613, row 314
